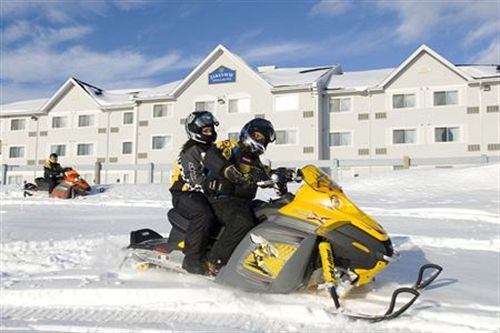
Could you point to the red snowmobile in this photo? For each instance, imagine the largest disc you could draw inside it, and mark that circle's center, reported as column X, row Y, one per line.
column 70, row 185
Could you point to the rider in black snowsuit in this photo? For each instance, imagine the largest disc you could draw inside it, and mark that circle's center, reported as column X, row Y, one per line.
column 186, row 188
column 234, row 168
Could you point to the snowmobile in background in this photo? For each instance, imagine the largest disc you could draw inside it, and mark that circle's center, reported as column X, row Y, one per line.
column 70, row 185
column 313, row 239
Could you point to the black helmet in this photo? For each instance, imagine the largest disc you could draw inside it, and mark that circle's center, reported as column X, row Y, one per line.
column 247, row 135
column 196, row 121
column 53, row 157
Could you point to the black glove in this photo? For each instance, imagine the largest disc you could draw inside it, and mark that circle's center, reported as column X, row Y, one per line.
column 235, row 176
column 258, row 175
column 284, row 175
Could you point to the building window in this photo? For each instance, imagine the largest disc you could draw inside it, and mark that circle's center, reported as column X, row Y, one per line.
column 239, row 105
column 162, row 110
column 233, row 136
column 340, row 104
column 286, row 137
column 85, row 120
column 16, row 180
column 338, row 139
column 16, row 152
column 445, row 97
column 84, row 149
column 17, row 124
column 60, row 150
column 446, row 134
column 401, row 101
column 161, row 142
column 127, row 147
column 286, row 103
column 400, row 136
column 204, row 106
column 59, row 122
column 128, row 118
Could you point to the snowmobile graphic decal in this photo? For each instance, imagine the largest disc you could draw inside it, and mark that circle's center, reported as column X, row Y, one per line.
column 266, row 258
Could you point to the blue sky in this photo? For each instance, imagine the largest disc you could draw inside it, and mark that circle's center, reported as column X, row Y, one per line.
column 134, row 44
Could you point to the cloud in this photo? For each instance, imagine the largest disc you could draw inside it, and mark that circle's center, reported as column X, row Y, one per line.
column 67, row 11
column 330, row 7
column 487, row 29
column 16, row 31
column 273, row 51
column 37, row 65
column 56, row 12
column 127, row 5
column 489, row 55
column 422, row 19
column 23, row 31
column 39, row 60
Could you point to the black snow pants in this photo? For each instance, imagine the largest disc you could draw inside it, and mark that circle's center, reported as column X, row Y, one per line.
column 52, row 182
column 237, row 217
column 195, row 207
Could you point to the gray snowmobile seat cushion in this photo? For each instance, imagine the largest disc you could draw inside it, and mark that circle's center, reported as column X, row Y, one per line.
column 142, row 235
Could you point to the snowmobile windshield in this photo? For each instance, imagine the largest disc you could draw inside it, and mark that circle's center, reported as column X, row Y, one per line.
column 318, row 179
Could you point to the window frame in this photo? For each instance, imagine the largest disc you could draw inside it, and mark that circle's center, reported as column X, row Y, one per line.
column 59, row 144
column 123, row 118
column 18, row 129
column 404, row 94
column 445, row 91
column 18, row 146
column 85, row 143
column 169, row 110
column 131, row 148
column 206, row 99
column 93, row 117
column 351, row 104
column 236, row 98
column 341, row 146
column 287, row 129
column 167, row 146
column 404, row 129
column 63, row 117
column 460, row 131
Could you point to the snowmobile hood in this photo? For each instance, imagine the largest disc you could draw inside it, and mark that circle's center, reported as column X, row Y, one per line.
column 322, row 202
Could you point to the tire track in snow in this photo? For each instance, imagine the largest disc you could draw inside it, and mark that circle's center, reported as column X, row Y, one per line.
column 411, row 241
column 84, row 202
column 437, row 214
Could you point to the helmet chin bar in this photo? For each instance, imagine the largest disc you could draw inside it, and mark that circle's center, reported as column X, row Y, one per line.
column 255, row 147
column 203, row 138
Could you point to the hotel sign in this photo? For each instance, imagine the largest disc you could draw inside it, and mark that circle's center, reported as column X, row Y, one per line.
column 222, row 75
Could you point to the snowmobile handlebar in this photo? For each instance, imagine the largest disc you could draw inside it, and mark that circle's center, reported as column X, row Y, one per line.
column 279, row 179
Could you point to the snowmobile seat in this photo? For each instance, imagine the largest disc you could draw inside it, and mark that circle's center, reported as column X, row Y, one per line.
column 42, row 184
column 142, row 235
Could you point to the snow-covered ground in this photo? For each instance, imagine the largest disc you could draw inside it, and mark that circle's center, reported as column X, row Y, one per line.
column 59, row 263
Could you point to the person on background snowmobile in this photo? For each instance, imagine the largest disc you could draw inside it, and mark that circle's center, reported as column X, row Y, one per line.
column 52, row 172
column 187, row 192
column 234, row 168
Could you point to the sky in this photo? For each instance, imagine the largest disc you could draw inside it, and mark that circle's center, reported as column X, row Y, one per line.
column 116, row 44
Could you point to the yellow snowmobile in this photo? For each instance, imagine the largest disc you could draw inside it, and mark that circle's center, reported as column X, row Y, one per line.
column 317, row 237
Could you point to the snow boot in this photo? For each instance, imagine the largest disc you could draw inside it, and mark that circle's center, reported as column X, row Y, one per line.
column 194, row 266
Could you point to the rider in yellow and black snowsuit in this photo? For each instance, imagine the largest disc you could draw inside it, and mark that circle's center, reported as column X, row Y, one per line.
column 234, row 168
column 52, row 171
column 186, row 188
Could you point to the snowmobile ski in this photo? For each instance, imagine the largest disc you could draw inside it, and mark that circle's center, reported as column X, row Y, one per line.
column 391, row 313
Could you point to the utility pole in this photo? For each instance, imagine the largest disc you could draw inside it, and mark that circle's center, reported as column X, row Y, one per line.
column 35, row 118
